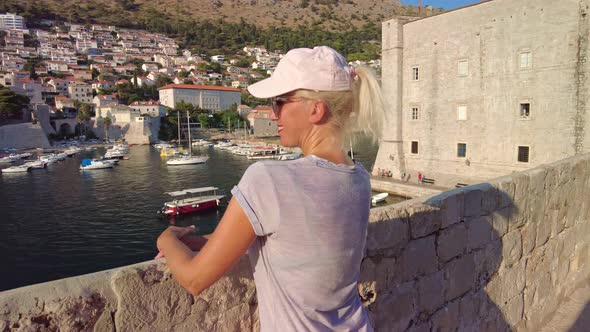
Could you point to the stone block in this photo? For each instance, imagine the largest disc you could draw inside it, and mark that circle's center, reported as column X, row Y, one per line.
column 500, row 220
column 460, row 276
column 452, row 209
column 447, row 318
column 399, row 306
column 528, row 236
column 391, row 232
column 505, row 189
column 424, row 220
column 479, row 232
column 513, row 311
column 473, row 198
column 487, row 262
column 451, row 242
column 512, row 248
column 508, row 283
column 420, row 327
column 385, row 273
column 418, row 258
column 431, row 292
column 490, row 199
column 235, row 319
column 469, row 311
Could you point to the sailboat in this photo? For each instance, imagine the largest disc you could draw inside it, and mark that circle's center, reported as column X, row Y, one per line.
column 188, row 159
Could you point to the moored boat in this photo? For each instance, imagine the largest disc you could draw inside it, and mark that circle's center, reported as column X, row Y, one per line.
column 195, row 200
column 187, row 160
column 16, row 169
column 88, row 164
column 378, row 198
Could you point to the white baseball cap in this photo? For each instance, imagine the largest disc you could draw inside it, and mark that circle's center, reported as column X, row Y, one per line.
column 319, row 69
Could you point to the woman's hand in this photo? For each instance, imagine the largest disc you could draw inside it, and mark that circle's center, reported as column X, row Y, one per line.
column 179, row 233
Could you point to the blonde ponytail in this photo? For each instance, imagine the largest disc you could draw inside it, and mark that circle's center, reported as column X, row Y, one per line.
column 359, row 110
column 368, row 113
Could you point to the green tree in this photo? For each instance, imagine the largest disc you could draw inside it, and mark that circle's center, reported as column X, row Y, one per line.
column 204, row 120
column 83, row 116
column 11, row 104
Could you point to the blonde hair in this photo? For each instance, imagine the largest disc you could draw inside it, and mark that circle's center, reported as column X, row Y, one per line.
column 359, row 110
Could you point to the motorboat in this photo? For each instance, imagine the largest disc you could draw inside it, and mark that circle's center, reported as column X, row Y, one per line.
column 8, row 159
column 16, row 169
column 36, row 164
column 262, row 153
column 289, row 156
column 187, row 160
column 194, row 200
column 378, row 198
column 88, row 164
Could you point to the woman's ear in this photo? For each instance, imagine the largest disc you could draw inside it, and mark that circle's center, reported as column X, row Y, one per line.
column 320, row 113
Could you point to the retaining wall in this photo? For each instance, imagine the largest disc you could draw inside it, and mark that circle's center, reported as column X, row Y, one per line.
column 490, row 257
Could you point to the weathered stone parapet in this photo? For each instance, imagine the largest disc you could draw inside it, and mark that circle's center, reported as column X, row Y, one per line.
column 496, row 256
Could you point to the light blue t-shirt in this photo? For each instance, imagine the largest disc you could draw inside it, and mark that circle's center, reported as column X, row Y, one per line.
column 310, row 217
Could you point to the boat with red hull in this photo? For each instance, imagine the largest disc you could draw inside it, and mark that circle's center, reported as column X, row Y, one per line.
column 194, row 200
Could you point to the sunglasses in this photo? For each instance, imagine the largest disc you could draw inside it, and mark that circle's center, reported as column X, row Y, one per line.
column 276, row 103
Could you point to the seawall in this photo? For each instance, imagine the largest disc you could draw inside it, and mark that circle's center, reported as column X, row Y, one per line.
column 496, row 256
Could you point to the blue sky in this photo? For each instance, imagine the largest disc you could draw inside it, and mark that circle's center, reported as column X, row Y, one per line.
column 446, row 4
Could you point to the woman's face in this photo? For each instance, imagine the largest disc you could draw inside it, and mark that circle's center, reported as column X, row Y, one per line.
column 291, row 115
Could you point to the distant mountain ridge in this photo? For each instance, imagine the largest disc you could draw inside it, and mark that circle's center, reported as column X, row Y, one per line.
column 329, row 14
column 350, row 26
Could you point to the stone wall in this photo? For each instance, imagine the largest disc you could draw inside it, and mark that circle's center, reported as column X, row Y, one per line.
column 23, row 136
column 490, row 257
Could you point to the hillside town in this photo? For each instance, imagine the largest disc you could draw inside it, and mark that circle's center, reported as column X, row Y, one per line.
column 73, row 76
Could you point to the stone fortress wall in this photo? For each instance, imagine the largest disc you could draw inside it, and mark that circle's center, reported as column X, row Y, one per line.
column 490, row 257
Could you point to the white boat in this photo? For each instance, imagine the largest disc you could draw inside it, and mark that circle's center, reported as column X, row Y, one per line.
column 88, row 164
column 36, row 164
column 378, row 198
column 289, row 156
column 187, row 160
column 49, row 158
column 262, row 153
column 16, row 169
column 7, row 159
column 201, row 142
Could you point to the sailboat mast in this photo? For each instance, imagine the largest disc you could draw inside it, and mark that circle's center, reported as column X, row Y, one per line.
column 178, row 121
column 190, row 146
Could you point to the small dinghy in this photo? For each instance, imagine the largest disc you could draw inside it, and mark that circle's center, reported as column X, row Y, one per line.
column 378, row 198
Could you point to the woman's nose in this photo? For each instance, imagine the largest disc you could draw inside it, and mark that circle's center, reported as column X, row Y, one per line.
column 273, row 116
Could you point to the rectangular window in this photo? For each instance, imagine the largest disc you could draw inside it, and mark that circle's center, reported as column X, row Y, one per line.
column 462, row 112
column 525, row 110
column 526, row 60
column 414, row 147
column 415, row 113
column 463, row 68
column 523, row 154
column 415, row 74
column 461, row 150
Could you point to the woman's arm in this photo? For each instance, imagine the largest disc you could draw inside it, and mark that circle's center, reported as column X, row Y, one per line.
column 225, row 246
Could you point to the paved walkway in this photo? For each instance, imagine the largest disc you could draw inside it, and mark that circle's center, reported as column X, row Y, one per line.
column 573, row 314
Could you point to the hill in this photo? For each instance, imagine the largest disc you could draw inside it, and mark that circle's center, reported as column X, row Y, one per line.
column 351, row 26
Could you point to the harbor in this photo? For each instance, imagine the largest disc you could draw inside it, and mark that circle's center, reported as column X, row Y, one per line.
column 61, row 221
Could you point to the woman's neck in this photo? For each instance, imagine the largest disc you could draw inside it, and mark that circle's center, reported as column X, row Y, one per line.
column 327, row 148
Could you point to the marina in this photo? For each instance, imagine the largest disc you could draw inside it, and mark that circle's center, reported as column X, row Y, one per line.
column 60, row 221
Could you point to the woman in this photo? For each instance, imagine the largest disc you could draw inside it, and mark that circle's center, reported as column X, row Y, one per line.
column 304, row 221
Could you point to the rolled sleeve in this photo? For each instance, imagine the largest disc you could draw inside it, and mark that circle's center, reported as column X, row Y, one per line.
column 256, row 194
column 250, row 213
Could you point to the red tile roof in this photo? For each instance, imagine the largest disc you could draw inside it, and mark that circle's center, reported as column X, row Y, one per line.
column 199, row 87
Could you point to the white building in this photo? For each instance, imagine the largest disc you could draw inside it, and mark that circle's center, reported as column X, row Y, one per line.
column 214, row 98
column 151, row 107
column 485, row 90
column 81, row 92
column 11, row 21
